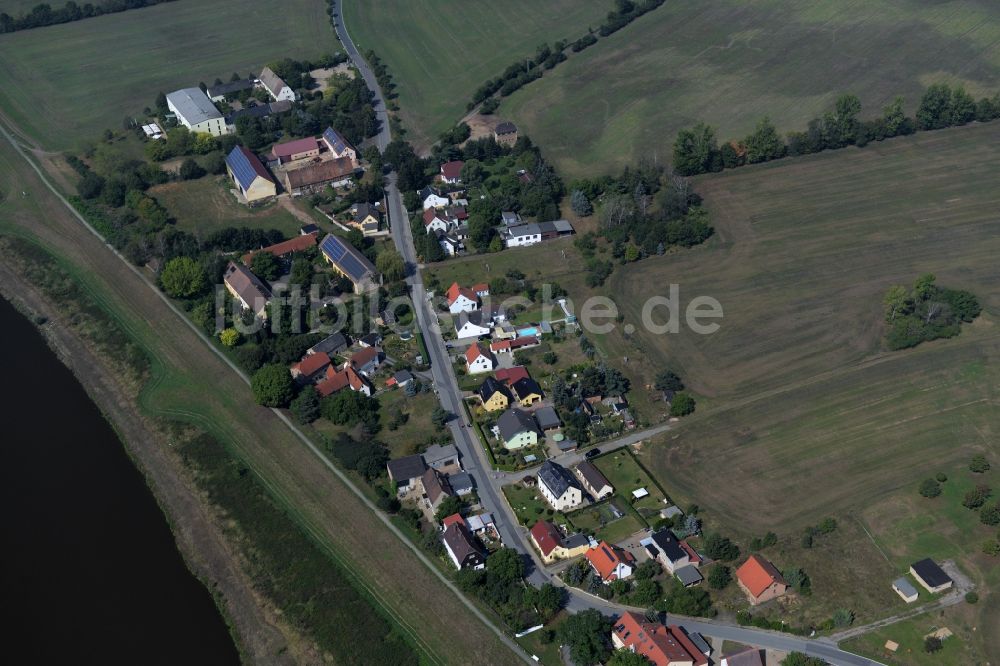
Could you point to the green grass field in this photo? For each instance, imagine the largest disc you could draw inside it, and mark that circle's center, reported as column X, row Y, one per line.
column 206, row 205
column 440, row 51
column 799, row 406
column 64, row 84
column 729, row 63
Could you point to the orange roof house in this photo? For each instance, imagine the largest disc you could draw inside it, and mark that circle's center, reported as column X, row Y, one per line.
column 284, row 248
column 760, row 580
column 455, row 518
column 310, row 365
column 512, row 375
column 661, row 645
column 610, row 562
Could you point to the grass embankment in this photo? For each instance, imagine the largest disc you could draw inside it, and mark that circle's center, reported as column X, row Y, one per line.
column 190, row 383
column 729, row 63
column 64, row 84
column 458, row 46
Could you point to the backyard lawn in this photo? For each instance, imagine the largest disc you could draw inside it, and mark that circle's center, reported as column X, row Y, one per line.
column 529, row 506
column 599, row 520
column 625, row 475
column 206, row 205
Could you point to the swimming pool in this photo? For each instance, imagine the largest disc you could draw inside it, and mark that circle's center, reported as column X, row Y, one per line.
column 525, row 332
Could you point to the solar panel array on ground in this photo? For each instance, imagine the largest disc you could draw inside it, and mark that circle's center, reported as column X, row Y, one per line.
column 345, row 257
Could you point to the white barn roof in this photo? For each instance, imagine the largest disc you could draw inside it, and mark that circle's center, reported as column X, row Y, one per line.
column 193, row 105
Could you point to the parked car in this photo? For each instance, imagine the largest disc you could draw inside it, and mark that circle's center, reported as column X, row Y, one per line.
column 591, row 453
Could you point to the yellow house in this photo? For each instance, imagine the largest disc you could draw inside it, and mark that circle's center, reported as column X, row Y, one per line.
column 554, row 546
column 250, row 176
column 527, row 391
column 494, row 395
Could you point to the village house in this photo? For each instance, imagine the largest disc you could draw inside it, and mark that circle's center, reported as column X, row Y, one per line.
column 461, row 299
column 310, row 368
column 760, row 580
column 339, row 147
column 349, row 262
column 195, row 111
column 510, row 218
column 462, row 547
column 436, row 488
column 406, row 472
column 450, row 242
column 478, row 359
column 372, row 339
column 547, row 419
column 905, row 589
column 527, row 391
column 247, row 289
column 366, row 217
column 332, row 344
column 366, row 360
column 510, row 375
column 293, row 151
column 470, row 326
column 505, row 134
column 748, row 657
column 442, row 458
column 284, row 249
column 611, row 563
column 250, row 176
column 431, row 198
column 594, row 481
column 347, row 377
column 494, row 395
column 559, row 488
column 451, row 172
column 665, row 548
column 523, row 235
column 931, row 576
column 553, row 546
column 461, row 483
column 661, row 645
column 517, row 429
column 275, row 86
column 316, row 176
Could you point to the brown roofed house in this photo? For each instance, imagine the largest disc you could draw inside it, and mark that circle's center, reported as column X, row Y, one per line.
column 283, row 249
column 315, row 177
column 247, row 288
column 594, row 480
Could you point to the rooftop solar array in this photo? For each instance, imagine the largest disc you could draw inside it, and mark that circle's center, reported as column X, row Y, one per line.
column 344, row 256
column 335, row 141
column 239, row 162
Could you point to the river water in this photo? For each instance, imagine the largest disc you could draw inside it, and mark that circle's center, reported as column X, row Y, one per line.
column 89, row 571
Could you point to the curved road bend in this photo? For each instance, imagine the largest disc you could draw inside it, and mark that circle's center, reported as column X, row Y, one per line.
column 474, row 458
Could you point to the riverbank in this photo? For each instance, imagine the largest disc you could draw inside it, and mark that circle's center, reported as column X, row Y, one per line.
column 113, row 386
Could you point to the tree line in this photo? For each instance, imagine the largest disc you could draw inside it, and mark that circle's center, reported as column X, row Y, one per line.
column 546, row 57
column 43, row 14
column 696, row 149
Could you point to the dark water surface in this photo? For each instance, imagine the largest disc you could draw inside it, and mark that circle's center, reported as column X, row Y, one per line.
column 89, row 572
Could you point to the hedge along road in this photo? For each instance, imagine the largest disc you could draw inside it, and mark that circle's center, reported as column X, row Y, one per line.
column 474, row 458
column 402, row 580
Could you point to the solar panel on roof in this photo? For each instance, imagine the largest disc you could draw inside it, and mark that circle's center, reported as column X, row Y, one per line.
column 241, row 167
column 344, row 257
column 336, row 142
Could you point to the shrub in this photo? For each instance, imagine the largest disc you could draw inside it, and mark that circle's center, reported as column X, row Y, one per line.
column 976, row 497
column 230, row 337
column 682, row 404
column 843, row 617
column 932, row 644
column 979, row 464
column 941, row 477
column 719, row 577
column 930, row 488
column 990, row 514
column 971, row 597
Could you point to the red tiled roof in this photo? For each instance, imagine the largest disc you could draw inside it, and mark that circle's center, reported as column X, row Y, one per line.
column 511, row 375
column 500, row 345
column 429, row 216
column 452, row 170
column 525, row 341
column 453, row 519
column 312, row 363
column 364, row 356
column 297, row 244
column 605, row 558
column 354, row 380
column 481, row 288
column 546, row 536
column 474, row 352
column 335, row 381
column 659, row 644
column 290, row 148
column 757, row 574
column 693, row 555
column 454, row 291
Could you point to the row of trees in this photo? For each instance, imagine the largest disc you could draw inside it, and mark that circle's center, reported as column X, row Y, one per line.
column 43, row 14
column 696, row 149
column 546, row 57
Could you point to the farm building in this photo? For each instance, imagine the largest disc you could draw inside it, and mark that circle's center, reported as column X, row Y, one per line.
column 275, row 86
column 312, row 178
column 339, row 146
column 284, row 249
column 250, row 176
column 760, row 580
column 523, row 235
column 247, row 288
column 931, row 576
column 505, row 133
column 905, row 589
column 347, row 261
column 292, row 151
column 223, row 91
column 195, row 111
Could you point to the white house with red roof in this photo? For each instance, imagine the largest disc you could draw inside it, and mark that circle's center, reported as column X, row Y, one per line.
column 461, row 299
column 451, row 172
column 479, row 359
column 660, row 645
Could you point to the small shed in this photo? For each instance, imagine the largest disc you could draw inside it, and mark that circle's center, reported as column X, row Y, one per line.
column 905, row 589
column 688, row 575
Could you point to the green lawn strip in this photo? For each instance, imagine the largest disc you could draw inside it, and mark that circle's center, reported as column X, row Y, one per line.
column 529, row 506
column 206, row 205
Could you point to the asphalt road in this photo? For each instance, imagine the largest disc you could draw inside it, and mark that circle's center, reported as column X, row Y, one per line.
column 474, row 458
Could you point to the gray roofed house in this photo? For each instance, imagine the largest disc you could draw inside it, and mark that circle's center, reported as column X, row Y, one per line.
column 594, row 480
column 574, row 541
column 221, row 91
column 688, row 575
column 192, row 106
column 404, row 470
column 461, row 483
column 403, row 377
column 247, row 288
column 438, row 457
column 670, row 553
column 514, row 422
column 510, row 218
column 436, row 487
column 275, row 85
column 348, row 261
column 331, row 344
column 700, row 642
column 556, row 478
column 547, row 418
column 905, row 589
column 363, row 210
